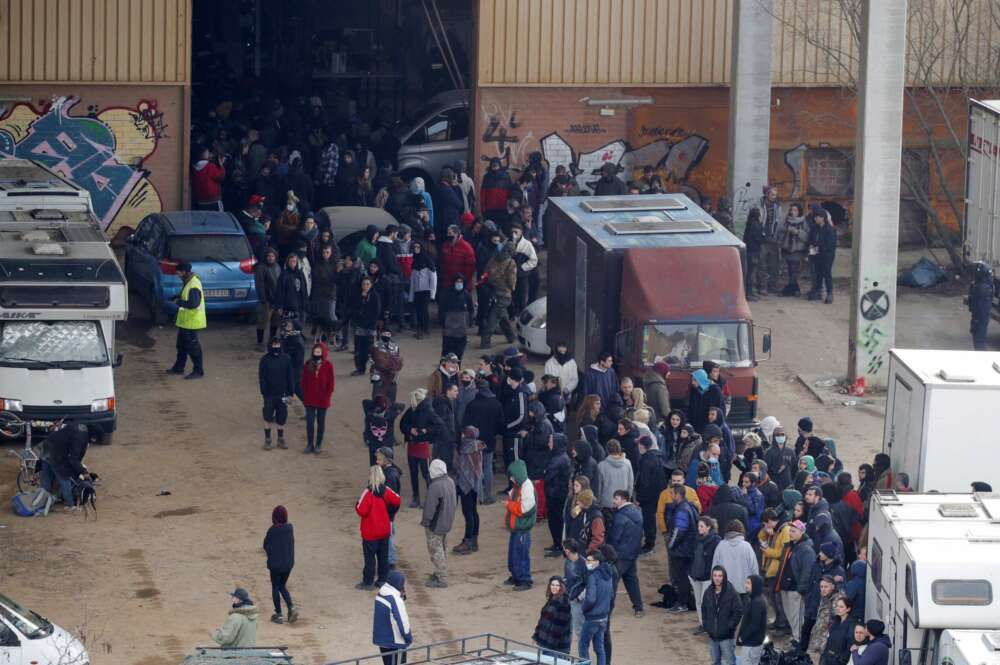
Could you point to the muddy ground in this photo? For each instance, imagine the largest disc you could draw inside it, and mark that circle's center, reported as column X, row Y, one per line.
column 148, row 579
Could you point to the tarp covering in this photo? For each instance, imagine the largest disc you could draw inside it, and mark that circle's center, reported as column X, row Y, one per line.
column 923, row 274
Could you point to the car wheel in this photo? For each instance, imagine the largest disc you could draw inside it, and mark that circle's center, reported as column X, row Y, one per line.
column 106, row 439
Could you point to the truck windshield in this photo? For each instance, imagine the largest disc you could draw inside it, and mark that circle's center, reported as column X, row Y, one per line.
column 27, row 622
column 52, row 343
column 688, row 344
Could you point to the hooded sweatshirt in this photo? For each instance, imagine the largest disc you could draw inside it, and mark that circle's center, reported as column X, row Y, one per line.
column 626, row 532
column 615, row 474
column 876, row 653
column 721, row 610
column 520, row 507
column 726, row 508
column 558, row 473
column 585, row 465
column 599, row 593
column 736, row 555
column 753, row 628
column 600, row 381
column 240, row 628
column 439, row 510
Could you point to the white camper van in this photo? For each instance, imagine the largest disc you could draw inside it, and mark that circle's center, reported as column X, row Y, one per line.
column 934, row 566
column 941, row 415
column 27, row 185
column 61, row 292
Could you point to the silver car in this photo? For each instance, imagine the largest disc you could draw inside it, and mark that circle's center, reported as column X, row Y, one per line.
column 435, row 135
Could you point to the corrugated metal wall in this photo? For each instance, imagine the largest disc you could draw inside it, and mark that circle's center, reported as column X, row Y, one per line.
column 133, row 41
column 687, row 42
column 613, row 42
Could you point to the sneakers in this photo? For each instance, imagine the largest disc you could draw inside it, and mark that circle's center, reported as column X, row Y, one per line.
column 522, row 586
column 276, row 618
column 309, row 450
column 282, row 444
column 510, row 581
column 357, row 372
column 700, row 630
column 415, row 502
column 267, row 444
column 638, row 614
column 174, row 370
column 646, row 551
column 436, row 582
column 293, row 615
column 829, row 299
column 195, row 375
column 361, row 586
column 552, row 552
column 678, row 608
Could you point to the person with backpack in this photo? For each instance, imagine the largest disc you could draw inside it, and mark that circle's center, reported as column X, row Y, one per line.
column 373, row 508
column 794, row 576
column 753, row 627
column 279, row 545
column 681, row 519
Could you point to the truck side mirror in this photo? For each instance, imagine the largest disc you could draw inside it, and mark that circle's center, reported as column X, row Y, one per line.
column 766, row 343
column 118, row 360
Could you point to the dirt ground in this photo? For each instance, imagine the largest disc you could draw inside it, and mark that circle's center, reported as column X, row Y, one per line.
column 149, row 579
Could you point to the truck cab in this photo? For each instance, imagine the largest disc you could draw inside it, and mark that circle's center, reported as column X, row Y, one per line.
column 61, row 292
column 934, row 566
column 653, row 278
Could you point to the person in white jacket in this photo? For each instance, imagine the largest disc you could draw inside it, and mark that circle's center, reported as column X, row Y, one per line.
column 523, row 251
column 562, row 365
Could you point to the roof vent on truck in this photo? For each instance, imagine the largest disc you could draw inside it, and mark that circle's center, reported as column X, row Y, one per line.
column 958, row 510
column 48, row 249
column 653, row 225
column 631, row 204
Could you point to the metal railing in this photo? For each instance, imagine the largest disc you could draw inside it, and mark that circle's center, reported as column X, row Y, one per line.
column 484, row 649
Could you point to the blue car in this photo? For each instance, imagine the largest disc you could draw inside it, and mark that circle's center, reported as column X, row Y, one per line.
column 215, row 246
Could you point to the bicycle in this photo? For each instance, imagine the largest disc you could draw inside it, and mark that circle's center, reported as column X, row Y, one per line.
column 13, row 426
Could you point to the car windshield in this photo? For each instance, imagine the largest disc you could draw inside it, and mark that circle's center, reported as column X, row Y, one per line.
column 208, row 248
column 52, row 343
column 688, row 344
column 419, row 115
column 27, row 622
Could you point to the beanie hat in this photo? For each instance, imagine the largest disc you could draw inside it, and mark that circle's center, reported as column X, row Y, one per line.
column 279, row 515
column 386, row 452
column 438, row 469
column 799, row 525
column 875, row 627
column 396, row 580
column 661, row 368
column 585, row 498
column 829, row 550
column 515, row 373
column 806, row 424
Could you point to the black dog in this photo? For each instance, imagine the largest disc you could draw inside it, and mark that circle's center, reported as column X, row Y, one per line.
column 85, row 492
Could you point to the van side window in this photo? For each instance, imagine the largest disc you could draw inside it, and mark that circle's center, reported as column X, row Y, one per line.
column 7, row 636
column 876, row 564
column 961, row 592
column 908, row 583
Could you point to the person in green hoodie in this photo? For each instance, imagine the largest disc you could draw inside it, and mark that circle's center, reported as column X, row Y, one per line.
column 519, row 518
column 240, row 628
column 365, row 250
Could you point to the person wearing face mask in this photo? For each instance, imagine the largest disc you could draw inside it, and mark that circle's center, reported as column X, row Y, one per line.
column 291, row 293
column 466, row 393
column 495, row 190
column 457, row 313
column 562, row 365
column 287, row 228
column 366, row 319
column 422, row 288
column 317, row 388
column 458, row 259
column 526, row 259
column 780, row 459
column 610, row 184
column 276, row 377
column 500, row 276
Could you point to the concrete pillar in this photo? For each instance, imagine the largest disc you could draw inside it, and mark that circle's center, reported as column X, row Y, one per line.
column 878, row 150
column 749, row 105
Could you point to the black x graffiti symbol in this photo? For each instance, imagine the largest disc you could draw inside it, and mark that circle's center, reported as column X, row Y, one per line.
column 874, row 304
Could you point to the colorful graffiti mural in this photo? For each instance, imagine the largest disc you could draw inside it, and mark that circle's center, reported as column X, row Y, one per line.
column 102, row 151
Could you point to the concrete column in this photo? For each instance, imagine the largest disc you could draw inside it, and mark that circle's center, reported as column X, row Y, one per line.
column 878, row 150
column 749, row 105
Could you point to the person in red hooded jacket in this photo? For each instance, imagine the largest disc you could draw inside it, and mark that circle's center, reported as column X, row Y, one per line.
column 376, row 503
column 317, row 388
column 458, row 259
column 207, row 175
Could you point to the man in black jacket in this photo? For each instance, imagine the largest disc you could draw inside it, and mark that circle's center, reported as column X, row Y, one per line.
column 485, row 414
column 292, row 293
column 392, row 272
column 276, row 377
column 535, row 440
column 63, row 453
column 753, row 629
column 726, row 507
column 558, row 472
column 649, row 484
column 721, row 611
column 515, row 411
column 980, row 305
column 445, row 406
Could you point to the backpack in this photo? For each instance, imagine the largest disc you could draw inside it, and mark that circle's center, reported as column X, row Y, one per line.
column 29, row 504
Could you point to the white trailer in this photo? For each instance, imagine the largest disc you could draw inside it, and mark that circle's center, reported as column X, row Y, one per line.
column 969, row 647
column 934, row 566
column 26, row 185
column 982, row 193
column 942, row 418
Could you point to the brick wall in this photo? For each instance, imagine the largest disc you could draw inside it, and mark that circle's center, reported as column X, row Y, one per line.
column 684, row 134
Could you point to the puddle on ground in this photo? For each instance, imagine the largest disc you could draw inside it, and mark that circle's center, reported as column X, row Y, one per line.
column 178, row 512
column 147, row 593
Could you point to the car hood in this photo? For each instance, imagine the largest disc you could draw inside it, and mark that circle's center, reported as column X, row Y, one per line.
column 58, row 387
column 60, row 647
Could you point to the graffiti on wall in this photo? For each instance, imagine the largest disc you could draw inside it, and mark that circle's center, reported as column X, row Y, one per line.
column 502, row 132
column 673, row 161
column 874, row 342
column 102, row 151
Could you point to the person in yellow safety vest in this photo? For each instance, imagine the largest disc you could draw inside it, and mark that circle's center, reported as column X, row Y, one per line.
column 190, row 319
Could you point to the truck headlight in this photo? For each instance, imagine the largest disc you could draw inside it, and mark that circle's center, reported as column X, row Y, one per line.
column 10, row 404
column 103, row 404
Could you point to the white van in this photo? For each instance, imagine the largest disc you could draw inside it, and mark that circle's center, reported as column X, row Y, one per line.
column 29, row 639
column 61, row 292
